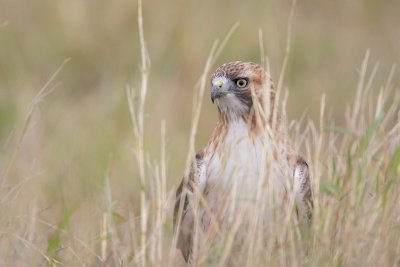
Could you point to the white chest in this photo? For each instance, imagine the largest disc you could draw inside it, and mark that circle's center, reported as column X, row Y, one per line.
column 236, row 169
column 237, row 160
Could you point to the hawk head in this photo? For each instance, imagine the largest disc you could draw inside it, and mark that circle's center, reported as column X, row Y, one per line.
column 234, row 84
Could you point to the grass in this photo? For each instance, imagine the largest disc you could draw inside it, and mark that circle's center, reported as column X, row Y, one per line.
column 69, row 195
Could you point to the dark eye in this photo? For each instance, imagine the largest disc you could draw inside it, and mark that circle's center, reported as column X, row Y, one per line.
column 241, row 83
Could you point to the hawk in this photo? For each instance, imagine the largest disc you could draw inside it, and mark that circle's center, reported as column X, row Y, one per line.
column 248, row 136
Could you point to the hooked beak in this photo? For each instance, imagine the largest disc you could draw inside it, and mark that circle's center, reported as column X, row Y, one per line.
column 216, row 92
column 218, row 89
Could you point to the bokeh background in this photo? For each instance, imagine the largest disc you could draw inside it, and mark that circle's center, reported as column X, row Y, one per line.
column 82, row 131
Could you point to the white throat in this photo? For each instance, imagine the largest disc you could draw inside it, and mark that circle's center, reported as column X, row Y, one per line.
column 231, row 106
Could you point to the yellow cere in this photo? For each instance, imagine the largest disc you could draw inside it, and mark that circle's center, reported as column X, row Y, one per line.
column 219, row 83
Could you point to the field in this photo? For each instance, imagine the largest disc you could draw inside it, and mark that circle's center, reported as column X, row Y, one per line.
column 100, row 112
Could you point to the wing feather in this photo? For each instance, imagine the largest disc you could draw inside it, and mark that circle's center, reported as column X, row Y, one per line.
column 304, row 199
column 183, row 196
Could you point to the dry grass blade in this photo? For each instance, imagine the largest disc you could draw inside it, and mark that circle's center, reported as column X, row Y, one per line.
column 215, row 51
column 39, row 97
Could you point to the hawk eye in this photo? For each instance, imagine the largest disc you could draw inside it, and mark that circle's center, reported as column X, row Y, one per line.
column 241, row 83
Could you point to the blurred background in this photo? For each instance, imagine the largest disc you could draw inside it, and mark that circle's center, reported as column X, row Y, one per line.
column 65, row 152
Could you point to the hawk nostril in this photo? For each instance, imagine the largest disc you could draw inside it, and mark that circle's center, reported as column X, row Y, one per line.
column 219, row 83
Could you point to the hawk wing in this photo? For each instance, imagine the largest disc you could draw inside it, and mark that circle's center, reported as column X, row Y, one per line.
column 303, row 195
column 185, row 192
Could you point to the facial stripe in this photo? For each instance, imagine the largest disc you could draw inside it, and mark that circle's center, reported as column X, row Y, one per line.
column 245, row 98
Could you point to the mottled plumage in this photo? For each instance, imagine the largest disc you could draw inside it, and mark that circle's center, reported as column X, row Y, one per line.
column 248, row 129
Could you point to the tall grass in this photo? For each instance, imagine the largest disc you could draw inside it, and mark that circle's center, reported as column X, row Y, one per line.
column 355, row 172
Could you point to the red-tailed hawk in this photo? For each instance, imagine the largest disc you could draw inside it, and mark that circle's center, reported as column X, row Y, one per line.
column 233, row 165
